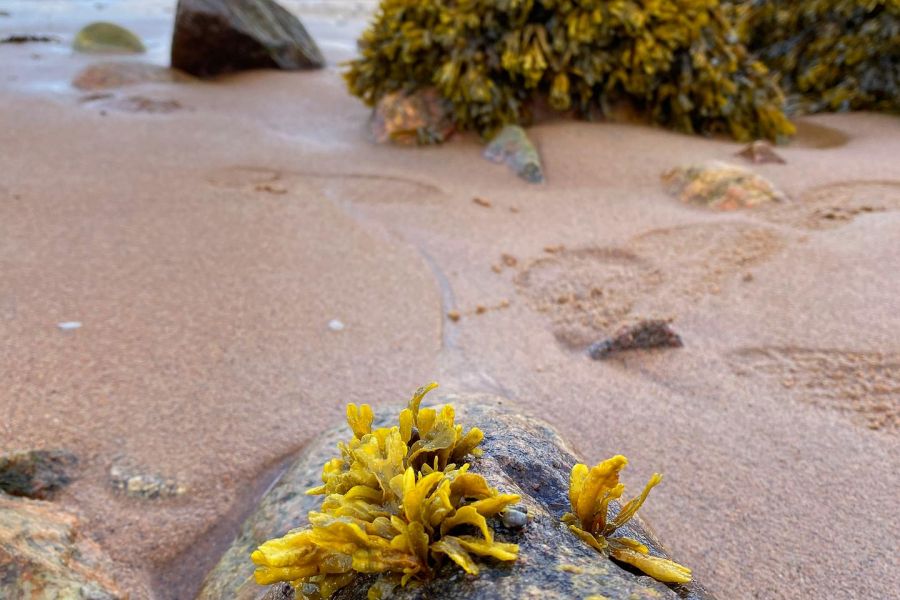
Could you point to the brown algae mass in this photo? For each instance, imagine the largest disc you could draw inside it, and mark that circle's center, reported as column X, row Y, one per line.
column 678, row 62
column 398, row 502
column 590, row 493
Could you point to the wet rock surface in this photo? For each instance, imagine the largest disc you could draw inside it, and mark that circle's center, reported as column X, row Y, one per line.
column 107, row 38
column 214, row 36
column 513, row 147
column 44, row 556
column 36, row 473
column 522, row 455
column 643, row 335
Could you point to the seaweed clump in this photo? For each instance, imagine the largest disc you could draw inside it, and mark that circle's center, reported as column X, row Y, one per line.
column 677, row 61
column 590, row 493
column 398, row 501
column 832, row 55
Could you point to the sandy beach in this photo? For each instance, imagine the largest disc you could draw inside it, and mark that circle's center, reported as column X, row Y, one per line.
column 205, row 250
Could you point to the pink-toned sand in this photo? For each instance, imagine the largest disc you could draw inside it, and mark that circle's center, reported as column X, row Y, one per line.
column 206, row 249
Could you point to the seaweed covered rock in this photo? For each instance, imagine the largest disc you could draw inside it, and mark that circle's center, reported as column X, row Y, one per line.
column 831, row 54
column 521, row 456
column 107, row 38
column 217, row 36
column 679, row 62
column 44, row 555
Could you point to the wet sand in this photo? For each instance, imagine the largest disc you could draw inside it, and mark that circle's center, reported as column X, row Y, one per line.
column 206, row 249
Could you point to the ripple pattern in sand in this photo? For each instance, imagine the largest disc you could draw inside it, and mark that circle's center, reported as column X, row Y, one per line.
column 340, row 187
column 837, row 204
column 865, row 386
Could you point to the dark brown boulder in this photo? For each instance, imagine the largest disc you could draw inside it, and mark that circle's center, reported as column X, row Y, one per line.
column 222, row 36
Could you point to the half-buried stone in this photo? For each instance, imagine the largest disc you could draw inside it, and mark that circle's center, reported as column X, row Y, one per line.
column 521, row 455
column 107, row 38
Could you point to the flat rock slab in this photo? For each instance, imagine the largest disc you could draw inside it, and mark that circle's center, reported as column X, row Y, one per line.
column 214, row 36
column 522, row 455
column 112, row 75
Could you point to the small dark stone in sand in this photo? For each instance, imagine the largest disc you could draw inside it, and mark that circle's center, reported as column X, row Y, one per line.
column 759, row 152
column 35, row 473
column 646, row 334
column 27, row 38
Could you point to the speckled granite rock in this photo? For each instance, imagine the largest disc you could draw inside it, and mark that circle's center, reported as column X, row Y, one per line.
column 43, row 555
column 522, row 455
column 215, row 36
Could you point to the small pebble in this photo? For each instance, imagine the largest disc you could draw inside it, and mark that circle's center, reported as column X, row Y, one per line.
column 481, row 202
column 69, row 325
column 509, row 260
column 453, row 315
column 480, row 309
column 514, row 519
column 336, row 325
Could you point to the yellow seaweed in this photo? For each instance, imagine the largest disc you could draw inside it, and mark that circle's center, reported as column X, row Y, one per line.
column 590, row 492
column 394, row 505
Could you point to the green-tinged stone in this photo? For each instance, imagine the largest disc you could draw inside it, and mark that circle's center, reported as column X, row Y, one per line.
column 107, row 38
column 522, row 455
column 513, row 147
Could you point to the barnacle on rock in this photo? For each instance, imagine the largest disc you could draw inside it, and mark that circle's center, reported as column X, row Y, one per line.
column 590, row 493
column 397, row 501
column 678, row 61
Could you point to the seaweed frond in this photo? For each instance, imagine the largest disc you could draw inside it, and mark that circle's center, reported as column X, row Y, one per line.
column 398, row 501
column 591, row 490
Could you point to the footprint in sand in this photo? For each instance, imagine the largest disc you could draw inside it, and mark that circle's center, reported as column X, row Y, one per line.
column 837, row 204
column 590, row 292
column 341, row 187
column 865, row 386
column 586, row 291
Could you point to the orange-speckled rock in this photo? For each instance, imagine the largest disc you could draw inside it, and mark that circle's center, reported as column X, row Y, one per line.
column 43, row 555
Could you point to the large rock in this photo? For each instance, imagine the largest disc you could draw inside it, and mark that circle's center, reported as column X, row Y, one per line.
column 522, row 455
column 219, row 36
column 43, row 555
